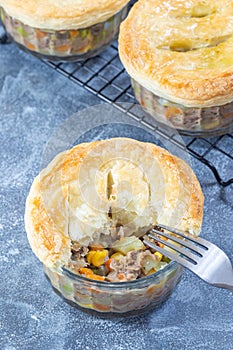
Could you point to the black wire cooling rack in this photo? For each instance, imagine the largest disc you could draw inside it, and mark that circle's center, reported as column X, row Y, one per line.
column 105, row 77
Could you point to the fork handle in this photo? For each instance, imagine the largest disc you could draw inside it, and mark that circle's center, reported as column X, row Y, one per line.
column 225, row 286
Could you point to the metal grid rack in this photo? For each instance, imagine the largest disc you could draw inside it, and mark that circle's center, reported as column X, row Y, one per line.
column 105, row 77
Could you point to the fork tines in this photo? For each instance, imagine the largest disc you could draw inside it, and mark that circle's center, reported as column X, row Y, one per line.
column 200, row 256
column 190, row 249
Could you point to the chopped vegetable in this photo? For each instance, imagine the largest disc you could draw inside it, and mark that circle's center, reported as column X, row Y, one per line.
column 99, row 257
column 158, row 256
column 95, row 277
column 64, row 44
column 127, row 244
column 126, row 260
column 166, row 259
column 161, row 245
column 85, row 271
column 90, row 256
column 90, row 274
column 108, row 264
column 149, row 263
column 121, row 276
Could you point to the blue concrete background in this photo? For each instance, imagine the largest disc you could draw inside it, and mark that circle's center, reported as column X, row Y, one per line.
column 34, row 102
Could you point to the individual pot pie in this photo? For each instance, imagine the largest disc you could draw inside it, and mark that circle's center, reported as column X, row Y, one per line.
column 63, row 31
column 179, row 56
column 87, row 211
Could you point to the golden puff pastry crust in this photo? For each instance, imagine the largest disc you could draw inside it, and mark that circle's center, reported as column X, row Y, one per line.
column 88, row 191
column 62, row 14
column 181, row 50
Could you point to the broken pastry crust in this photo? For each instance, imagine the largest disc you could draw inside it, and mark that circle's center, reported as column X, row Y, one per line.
column 87, row 191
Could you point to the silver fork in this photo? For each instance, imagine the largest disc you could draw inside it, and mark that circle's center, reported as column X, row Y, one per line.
column 200, row 256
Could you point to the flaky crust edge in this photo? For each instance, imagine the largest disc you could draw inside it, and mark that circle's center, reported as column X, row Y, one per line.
column 194, row 90
column 64, row 17
column 52, row 247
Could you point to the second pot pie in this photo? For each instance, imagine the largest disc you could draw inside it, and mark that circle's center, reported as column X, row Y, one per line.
column 58, row 30
column 179, row 56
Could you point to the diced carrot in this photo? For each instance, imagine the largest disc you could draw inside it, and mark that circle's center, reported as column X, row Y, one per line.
column 30, row 46
column 40, row 34
column 85, row 271
column 95, row 277
column 63, row 48
column 108, row 264
column 171, row 111
column 151, row 290
column 73, row 33
column 101, row 307
column 120, row 276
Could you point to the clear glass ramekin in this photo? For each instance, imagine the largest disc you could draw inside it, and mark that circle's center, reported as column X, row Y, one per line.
column 189, row 121
column 118, row 298
column 63, row 45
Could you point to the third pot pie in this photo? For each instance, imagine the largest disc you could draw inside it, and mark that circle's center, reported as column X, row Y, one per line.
column 63, row 30
column 88, row 211
column 179, row 56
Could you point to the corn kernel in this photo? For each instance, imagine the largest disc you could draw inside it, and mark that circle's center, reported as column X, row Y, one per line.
column 99, row 257
column 90, row 256
column 158, row 256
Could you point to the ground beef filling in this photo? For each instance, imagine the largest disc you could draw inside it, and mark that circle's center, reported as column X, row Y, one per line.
column 128, row 259
column 129, row 267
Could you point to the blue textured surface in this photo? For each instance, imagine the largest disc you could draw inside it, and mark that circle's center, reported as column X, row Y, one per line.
column 34, row 101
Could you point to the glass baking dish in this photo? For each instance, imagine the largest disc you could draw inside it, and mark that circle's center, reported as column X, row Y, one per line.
column 189, row 121
column 63, row 45
column 118, row 298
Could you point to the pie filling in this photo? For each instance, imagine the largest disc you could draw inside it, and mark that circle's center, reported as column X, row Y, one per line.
column 125, row 260
column 63, row 43
column 181, row 117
